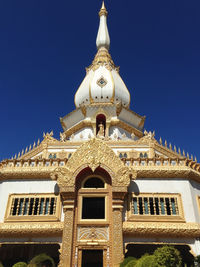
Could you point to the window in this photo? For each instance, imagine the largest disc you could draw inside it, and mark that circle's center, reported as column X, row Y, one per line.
column 94, row 182
column 149, row 206
column 33, row 207
column 143, row 155
column 52, row 156
column 93, row 198
column 93, row 208
column 123, row 155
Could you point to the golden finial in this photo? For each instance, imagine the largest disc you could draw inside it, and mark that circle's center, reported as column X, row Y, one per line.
column 192, row 157
column 33, row 144
column 184, row 153
column 38, row 142
column 29, row 147
column 179, row 150
column 175, row 148
column 103, row 10
column 15, row 156
column 195, row 158
column 166, row 143
column 26, row 149
column 188, row 155
column 160, row 140
column 170, row 146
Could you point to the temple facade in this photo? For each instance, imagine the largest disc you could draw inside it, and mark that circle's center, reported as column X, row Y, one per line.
column 105, row 189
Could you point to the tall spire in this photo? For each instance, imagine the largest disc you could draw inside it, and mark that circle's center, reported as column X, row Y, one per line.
column 103, row 39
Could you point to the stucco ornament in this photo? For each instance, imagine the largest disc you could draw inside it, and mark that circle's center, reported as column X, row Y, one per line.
column 63, row 176
column 95, row 153
column 124, row 175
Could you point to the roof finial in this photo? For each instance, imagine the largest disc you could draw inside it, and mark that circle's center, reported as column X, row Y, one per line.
column 103, row 10
column 103, row 39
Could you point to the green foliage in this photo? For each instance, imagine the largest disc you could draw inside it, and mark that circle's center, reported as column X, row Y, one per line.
column 20, row 264
column 126, row 260
column 197, row 259
column 132, row 263
column 40, row 259
column 146, row 261
column 167, row 256
column 1, row 265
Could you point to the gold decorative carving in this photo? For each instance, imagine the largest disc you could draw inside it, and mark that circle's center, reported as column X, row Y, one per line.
column 162, row 229
column 65, row 257
column 118, row 108
column 48, row 137
column 31, row 229
column 124, row 175
column 62, row 154
column 83, row 110
column 93, row 234
column 102, row 82
column 63, row 176
column 95, row 153
column 102, row 58
column 117, row 237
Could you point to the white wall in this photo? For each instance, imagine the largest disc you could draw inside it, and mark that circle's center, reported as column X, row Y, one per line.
column 174, row 185
column 22, row 187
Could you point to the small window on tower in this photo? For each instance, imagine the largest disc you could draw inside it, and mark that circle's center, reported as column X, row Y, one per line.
column 100, row 125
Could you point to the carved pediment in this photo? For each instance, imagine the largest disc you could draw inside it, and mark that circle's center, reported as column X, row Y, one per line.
column 96, row 153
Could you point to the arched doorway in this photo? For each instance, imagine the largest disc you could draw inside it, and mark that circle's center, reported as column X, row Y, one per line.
column 93, row 216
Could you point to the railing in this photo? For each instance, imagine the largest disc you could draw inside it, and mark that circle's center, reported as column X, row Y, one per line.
column 138, row 162
column 142, row 162
column 14, row 163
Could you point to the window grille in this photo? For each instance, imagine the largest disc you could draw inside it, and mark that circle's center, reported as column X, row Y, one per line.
column 155, row 207
column 30, row 207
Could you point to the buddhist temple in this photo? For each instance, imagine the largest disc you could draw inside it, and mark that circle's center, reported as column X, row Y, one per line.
column 106, row 189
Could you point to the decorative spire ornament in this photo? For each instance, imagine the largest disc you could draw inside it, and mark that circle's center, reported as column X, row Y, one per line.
column 103, row 39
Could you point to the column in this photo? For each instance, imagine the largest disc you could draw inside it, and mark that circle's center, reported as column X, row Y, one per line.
column 117, row 207
column 67, row 238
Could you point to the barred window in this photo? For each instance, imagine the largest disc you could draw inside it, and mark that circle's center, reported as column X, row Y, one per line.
column 33, row 206
column 156, row 205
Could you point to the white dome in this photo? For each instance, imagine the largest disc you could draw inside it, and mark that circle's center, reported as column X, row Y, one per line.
column 102, row 83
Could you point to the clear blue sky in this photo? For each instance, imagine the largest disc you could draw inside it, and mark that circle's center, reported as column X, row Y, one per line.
column 46, row 45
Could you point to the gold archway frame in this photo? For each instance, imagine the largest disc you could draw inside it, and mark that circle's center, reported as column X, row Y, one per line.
column 93, row 154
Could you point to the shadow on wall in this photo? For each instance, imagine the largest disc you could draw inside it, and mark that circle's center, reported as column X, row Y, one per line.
column 12, row 253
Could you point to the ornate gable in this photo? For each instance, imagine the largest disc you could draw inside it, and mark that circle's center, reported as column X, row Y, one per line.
column 93, row 154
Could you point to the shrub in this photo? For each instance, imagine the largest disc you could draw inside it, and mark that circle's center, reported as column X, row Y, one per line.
column 146, row 261
column 41, row 260
column 132, row 263
column 125, row 261
column 20, row 264
column 167, row 256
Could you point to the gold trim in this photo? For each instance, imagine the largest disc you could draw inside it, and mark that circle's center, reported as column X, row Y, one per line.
column 162, row 229
column 31, row 229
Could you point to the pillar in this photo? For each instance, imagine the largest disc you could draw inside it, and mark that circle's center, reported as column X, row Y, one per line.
column 67, row 238
column 117, row 208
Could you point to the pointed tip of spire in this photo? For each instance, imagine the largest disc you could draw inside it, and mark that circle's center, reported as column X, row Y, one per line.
column 103, row 10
